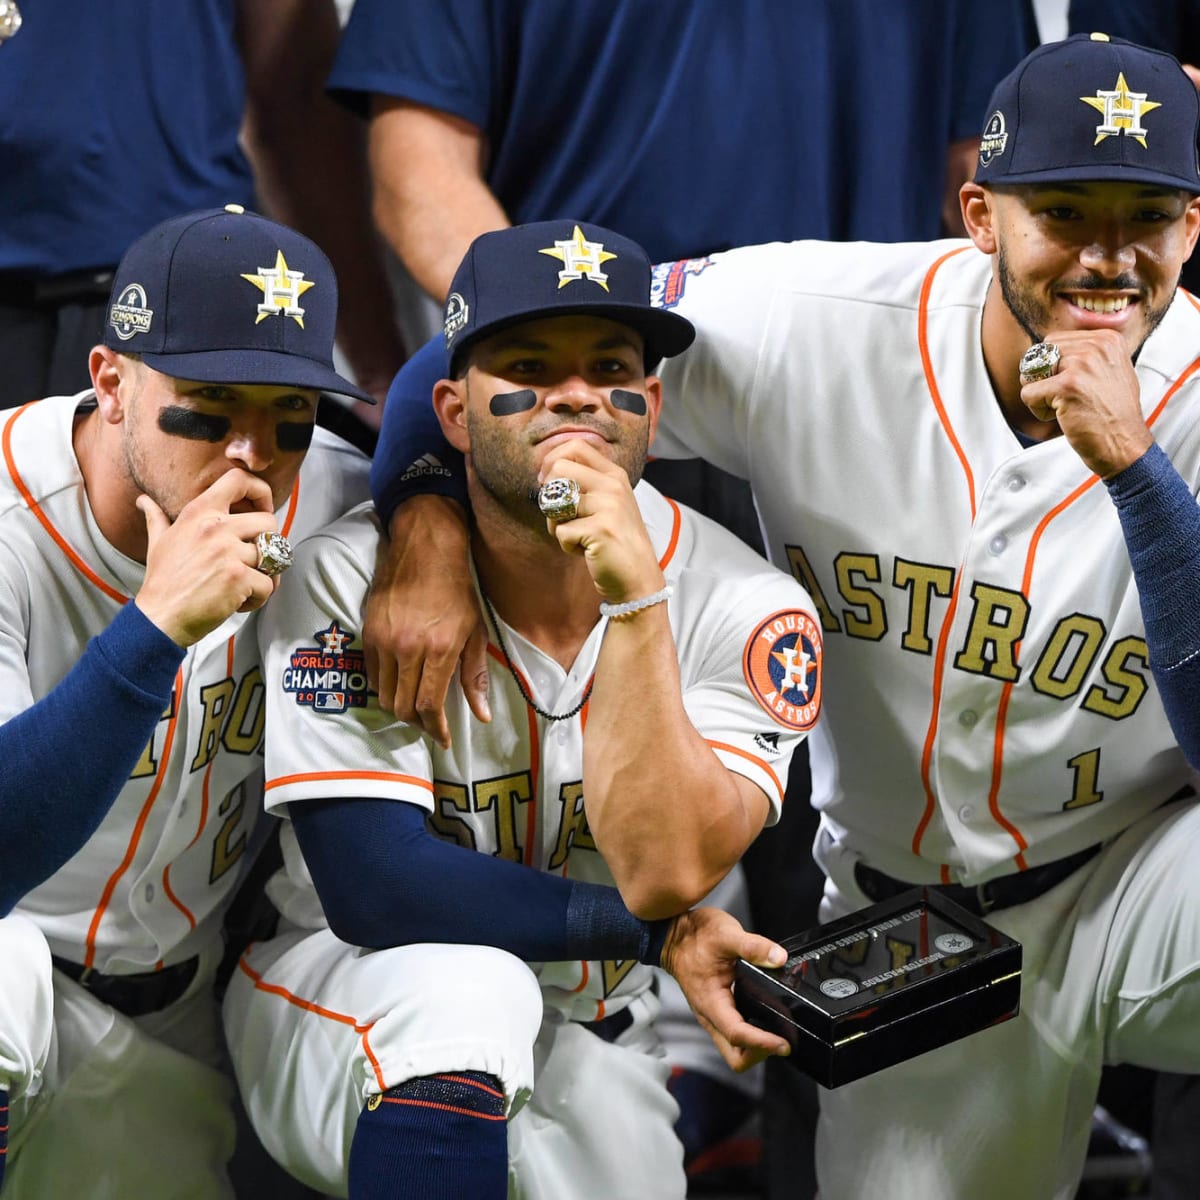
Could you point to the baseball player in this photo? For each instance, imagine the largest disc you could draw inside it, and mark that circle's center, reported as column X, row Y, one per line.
column 653, row 677
column 981, row 459
column 143, row 523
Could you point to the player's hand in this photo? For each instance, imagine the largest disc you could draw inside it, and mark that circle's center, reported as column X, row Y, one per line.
column 701, row 952
column 200, row 568
column 609, row 531
column 1095, row 398
column 422, row 623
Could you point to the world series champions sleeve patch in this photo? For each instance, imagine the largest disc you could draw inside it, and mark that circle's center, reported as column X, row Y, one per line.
column 782, row 663
column 327, row 676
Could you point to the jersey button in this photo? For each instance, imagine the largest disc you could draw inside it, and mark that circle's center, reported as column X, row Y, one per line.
column 998, row 543
column 968, row 717
column 1016, row 483
column 149, row 893
column 965, row 813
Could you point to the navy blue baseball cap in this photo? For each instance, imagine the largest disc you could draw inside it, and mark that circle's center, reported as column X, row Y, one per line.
column 1092, row 108
column 226, row 296
column 556, row 269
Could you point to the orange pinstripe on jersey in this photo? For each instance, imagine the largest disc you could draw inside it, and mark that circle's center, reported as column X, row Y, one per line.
column 140, row 825
column 359, row 1027
column 45, row 522
column 166, row 875
column 940, row 659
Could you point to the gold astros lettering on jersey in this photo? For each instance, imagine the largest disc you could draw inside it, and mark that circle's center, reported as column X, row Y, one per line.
column 148, row 763
column 614, row 972
column 572, row 826
column 996, row 629
column 234, row 717
column 505, row 797
column 449, row 798
column 922, row 581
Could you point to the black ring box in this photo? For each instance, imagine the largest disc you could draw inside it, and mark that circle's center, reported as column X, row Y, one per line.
column 882, row 985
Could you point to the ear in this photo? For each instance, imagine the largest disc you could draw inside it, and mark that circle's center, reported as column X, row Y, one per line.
column 1191, row 225
column 450, row 404
column 653, row 403
column 979, row 215
column 107, row 369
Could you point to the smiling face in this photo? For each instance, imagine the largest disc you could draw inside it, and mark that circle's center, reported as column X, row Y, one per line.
column 1101, row 255
column 539, row 384
column 179, row 436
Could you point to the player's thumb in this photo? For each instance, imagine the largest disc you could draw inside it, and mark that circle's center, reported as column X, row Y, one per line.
column 156, row 519
column 762, row 952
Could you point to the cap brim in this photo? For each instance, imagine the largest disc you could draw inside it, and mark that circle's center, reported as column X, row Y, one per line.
column 664, row 333
column 267, row 367
column 1107, row 173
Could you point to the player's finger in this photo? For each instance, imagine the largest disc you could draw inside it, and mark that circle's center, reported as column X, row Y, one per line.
column 238, row 486
column 156, row 520
column 260, row 593
column 473, row 674
column 761, row 951
column 430, row 701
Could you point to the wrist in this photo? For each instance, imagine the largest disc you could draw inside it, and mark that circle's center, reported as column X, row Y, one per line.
column 628, row 608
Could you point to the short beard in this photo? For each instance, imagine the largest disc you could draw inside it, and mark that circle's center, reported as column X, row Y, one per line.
column 1026, row 313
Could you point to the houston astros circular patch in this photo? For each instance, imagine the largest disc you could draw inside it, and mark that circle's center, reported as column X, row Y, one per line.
column 782, row 664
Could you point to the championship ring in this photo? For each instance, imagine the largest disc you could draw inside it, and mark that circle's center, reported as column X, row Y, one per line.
column 10, row 18
column 274, row 553
column 559, row 499
column 1039, row 362
column 883, row 985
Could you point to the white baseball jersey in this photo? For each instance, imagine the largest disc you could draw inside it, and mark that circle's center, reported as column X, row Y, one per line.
column 749, row 649
column 989, row 705
column 26, row 1006
column 150, row 884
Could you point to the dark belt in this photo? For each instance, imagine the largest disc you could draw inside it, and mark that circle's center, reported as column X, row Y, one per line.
column 134, row 995
column 19, row 290
column 1004, row 892
column 611, row 1027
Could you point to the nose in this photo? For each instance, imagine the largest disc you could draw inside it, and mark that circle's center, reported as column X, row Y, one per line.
column 251, row 444
column 573, row 394
column 1110, row 251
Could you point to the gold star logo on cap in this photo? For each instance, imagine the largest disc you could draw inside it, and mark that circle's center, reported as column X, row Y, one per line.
column 281, row 289
column 1122, row 111
column 580, row 258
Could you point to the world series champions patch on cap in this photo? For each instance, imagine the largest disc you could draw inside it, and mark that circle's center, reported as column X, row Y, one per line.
column 1092, row 108
column 227, row 296
column 550, row 269
column 782, row 663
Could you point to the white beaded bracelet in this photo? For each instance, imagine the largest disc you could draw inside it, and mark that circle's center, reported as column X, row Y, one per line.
column 632, row 606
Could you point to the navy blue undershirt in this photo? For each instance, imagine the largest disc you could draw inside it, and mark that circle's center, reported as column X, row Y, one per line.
column 422, row 889
column 65, row 759
column 1161, row 524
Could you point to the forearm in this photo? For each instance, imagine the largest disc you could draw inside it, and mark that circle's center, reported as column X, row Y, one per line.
column 668, row 816
column 384, row 880
column 310, row 160
column 67, row 757
column 1161, row 524
column 413, row 456
column 431, row 200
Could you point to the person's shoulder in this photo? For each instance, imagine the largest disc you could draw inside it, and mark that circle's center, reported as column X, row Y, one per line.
column 1174, row 345
column 872, row 273
column 698, row 553
column 38, row 460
